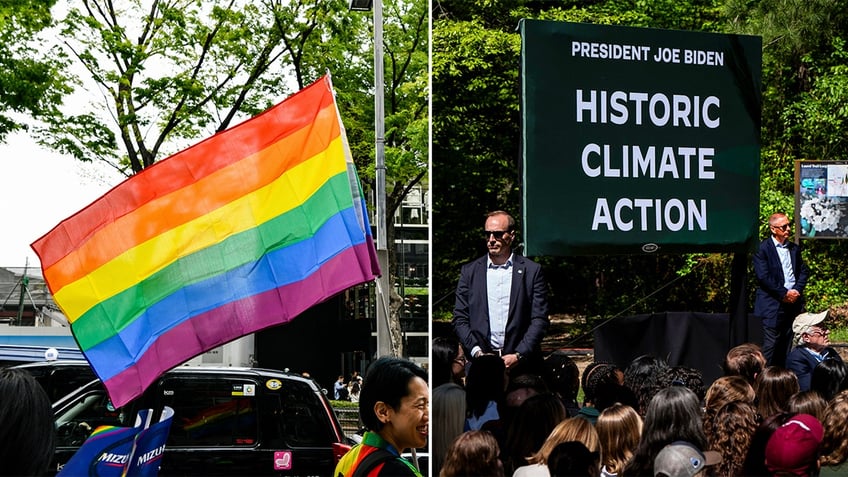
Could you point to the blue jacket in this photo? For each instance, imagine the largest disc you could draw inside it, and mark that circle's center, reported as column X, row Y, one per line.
column 770, row 279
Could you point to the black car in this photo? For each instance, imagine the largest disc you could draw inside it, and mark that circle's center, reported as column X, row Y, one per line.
column 60, row 378
column 227, row 421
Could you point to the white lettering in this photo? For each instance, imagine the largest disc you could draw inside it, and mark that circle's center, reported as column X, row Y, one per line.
column 672, row 214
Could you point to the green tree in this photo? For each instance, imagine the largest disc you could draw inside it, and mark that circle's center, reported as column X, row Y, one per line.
column 31, row 80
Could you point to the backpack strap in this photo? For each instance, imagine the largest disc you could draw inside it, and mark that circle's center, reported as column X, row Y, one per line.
column 371, row 461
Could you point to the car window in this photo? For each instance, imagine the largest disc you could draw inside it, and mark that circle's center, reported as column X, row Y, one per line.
column 84, row 415
column 211, row 412
column 299, row 417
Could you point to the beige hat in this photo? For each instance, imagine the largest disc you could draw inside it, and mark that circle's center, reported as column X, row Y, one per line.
column 805, row 321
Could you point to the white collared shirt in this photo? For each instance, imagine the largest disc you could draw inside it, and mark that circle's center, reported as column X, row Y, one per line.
column 785, row 263
column 498, row 286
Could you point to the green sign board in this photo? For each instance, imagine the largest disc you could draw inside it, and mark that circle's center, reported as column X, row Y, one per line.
column 638, row 140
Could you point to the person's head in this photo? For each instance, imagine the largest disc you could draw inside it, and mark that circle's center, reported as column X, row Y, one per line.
column 27, row 432
column 448, row 361
column 530, row 426
column 499, row 234
column 574, row 429
column 641, row 369
column 829, row 377
column 780, row 227
column 746, row 360
column 674, row 414
column 834, row 446
column 684, row 376
column 522, row 387
column 607, row 394
column 755, row 460
column 724, row 390
column 340, row 379
column 793, row 448
column 562, row 375
column 597, row 373
column 394, row 402
column 619, row 428
column 573, row 459
column 730, row 433
column 808, row 402
column 448, row 419
column 473, row 453
column 811, row 331
column 683, row 459
column 775, row 385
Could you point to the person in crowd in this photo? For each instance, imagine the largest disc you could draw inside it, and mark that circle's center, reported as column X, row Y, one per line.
column 674, row 414
column 27, row 429
column 573, row 459
column 775, row 385
column 607, row 394
column 573, row 429
column 619, row 428
column 448, row 420
column 684, row 376
column 448, row 361
column 641, row 377
column 829, row 377
column 793, row 448
column 745, row 360
column 813, row 347
column 563, row 378
column 529, row 428
column 502, row 301
column 781, row 278
column 755, row 460
column 834, row 446
column 724, row 390
column 484, row 388
column 473, row 453
column 522, row 387
column 808, row 402
column 683, row 459
column 354, row 390
column 594, row 375
column 730, row 433
column 340, row 392
column 394, row 408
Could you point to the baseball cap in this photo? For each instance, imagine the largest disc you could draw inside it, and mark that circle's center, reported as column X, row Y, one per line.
column 805, row 321
column 794, row 446
column 683, row 459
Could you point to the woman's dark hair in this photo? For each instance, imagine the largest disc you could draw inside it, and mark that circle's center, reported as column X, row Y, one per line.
column 530, row 426
column 472, row 453
column 775, row 385
column 829, row 377
column 755, row 460
column 573, row 459
column 387, row 381
column 674, row 414
column 563, row 376
column 445, row 351
column 27, row 425
column 595, row 374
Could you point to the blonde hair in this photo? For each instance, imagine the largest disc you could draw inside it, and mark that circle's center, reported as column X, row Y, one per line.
column 619, row 428
column 572, row 429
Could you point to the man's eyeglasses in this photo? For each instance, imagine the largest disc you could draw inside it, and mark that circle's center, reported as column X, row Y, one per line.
column 818, row 332
column 782, row 227
column 498, row 234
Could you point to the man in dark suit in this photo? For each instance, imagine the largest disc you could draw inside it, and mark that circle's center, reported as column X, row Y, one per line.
column 781, row 278
column 501, row 301
column 813, row 339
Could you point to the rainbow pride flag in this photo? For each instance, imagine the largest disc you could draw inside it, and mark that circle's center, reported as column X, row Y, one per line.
column 242, row 231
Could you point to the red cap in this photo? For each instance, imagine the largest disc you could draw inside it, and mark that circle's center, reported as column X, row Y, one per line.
column 794, row 446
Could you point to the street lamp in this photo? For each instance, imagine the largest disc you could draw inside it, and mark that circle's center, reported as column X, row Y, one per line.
column 384, row 346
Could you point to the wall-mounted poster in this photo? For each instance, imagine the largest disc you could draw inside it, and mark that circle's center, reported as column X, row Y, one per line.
column 821, row 199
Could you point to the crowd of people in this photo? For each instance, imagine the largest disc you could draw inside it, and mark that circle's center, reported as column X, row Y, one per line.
column 648, row 418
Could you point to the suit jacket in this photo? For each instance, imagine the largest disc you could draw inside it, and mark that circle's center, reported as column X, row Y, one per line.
column 527, row 321
column 770, row 280
column 802, row 363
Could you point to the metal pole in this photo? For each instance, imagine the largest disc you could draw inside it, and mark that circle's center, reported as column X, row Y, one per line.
column 384, row 340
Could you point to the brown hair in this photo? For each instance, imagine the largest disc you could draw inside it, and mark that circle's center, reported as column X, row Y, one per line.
column 619, row 428
column 808, row 402
column 834, row 445
column 725, row 390
column 473, row 453
column 775, row 385
column 730, row 433
column 572, row 429
column 745, row 360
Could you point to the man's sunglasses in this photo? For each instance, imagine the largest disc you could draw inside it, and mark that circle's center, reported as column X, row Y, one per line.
column 782, row 227
column 498, row 234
